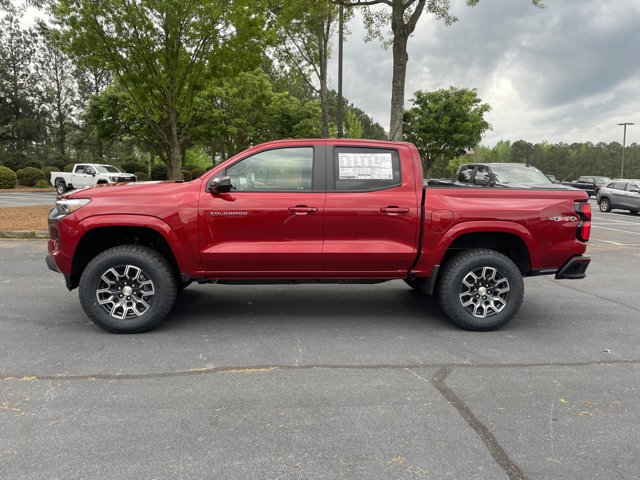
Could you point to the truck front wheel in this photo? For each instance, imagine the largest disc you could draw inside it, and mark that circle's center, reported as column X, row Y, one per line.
column 480, row 289
column 128, row 289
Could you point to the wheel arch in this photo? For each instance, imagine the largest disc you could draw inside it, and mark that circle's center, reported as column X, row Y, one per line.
column 99, row 239
column 509, row 244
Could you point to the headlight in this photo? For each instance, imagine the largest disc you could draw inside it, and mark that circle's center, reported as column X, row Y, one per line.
column 65, row 207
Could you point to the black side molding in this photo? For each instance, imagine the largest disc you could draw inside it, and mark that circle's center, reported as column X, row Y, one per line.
column 574, row 269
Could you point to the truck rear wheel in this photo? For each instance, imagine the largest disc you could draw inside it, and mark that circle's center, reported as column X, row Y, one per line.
column 480, row 289
column 128, row 289
column 61, row 186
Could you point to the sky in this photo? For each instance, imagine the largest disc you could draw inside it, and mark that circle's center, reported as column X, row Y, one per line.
column 566, row 73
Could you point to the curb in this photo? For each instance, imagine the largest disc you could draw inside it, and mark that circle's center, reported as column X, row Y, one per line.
column 29, row 234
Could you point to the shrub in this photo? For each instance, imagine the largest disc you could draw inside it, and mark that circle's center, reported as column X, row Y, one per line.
column 159, row 172
column 197, row 172
column 47, row 171
column 186, row 175
column 133, row 165
column 42, row 184
column 141, row 176
column 28, row 176
column 8, row 178
column 68, row 167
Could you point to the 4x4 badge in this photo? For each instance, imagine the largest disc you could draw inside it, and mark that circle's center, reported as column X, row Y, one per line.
column 563, row 219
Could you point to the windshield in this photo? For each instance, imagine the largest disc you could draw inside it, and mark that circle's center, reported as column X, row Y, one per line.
column 107, row 169
column 520, row 174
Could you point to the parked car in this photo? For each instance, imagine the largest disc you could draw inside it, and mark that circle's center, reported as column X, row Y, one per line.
column 88, row 174
column 591, row 184
column 317, row 210
column 507, row 175
column 621, row 194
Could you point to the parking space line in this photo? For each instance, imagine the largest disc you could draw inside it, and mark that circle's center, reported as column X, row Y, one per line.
column 616, row 230
column 616, row 243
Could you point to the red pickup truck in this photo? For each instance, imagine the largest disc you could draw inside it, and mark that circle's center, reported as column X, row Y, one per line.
column 346, row 211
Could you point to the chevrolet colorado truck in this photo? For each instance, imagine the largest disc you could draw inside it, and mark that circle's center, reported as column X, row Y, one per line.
column 88, row 174
column 322, row 210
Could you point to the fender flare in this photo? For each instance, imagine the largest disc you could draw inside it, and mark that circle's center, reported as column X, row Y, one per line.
column 185, row 262
column 432, row 253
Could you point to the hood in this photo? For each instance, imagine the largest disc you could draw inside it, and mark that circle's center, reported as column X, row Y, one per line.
column 155, row 187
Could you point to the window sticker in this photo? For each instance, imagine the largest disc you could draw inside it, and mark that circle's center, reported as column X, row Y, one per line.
column 365, row 166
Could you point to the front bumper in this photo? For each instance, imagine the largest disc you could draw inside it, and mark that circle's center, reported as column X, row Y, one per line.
column 574, row 269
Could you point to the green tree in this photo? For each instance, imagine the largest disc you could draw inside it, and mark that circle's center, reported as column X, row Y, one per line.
column 306, row 29
column 233, row 114
column 57, row 84
column 444, row 123
column 19, row 117
column 162, row 51
column 521, row 151
column 402, row 18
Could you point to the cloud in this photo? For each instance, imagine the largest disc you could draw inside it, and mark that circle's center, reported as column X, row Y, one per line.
column 568, row 72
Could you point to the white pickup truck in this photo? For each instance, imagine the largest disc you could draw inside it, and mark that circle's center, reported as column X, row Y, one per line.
column 88, row 174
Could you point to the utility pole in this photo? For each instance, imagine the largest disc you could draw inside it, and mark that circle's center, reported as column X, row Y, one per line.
column 340, row 42
column 624, row 142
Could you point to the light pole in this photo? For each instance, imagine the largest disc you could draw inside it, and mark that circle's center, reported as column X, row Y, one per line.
column 624, row 142
column 340, row 54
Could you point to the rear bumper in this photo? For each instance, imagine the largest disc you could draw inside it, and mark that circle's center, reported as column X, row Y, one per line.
column 574, row 269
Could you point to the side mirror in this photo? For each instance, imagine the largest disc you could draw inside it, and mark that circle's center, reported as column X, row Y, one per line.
column 219, row 185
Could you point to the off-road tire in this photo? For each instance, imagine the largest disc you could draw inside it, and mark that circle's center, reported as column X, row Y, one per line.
column 104, row 277
column 498, row 306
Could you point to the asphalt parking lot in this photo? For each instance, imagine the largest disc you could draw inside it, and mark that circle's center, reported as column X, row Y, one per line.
column 301, row 382
column 25, row 199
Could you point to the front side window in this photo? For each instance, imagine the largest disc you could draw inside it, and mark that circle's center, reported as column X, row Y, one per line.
column 283, row 169
column 79, row 169
column 620, row 185
column 483, row 176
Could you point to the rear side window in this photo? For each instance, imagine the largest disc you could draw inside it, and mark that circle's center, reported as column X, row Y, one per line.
column 365, row 169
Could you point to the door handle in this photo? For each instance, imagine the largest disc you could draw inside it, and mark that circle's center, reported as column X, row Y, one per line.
column 394, row 209
column 302, row 209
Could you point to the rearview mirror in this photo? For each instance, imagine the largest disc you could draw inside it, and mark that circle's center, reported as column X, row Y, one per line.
column 219, row 185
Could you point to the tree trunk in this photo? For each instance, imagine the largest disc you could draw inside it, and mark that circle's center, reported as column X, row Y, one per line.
column 400, row 59
column 174, row 148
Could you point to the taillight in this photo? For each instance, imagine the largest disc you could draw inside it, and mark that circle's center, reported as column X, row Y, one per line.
column 583, row 209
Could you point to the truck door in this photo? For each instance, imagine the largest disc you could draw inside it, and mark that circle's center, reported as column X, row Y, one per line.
column 270, row 224
column 80, row 178
column 372, row 211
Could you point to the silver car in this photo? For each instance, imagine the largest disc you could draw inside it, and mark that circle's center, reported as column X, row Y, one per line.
column 621, row 194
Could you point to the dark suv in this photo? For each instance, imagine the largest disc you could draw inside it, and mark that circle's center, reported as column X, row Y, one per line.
column 622, row 194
